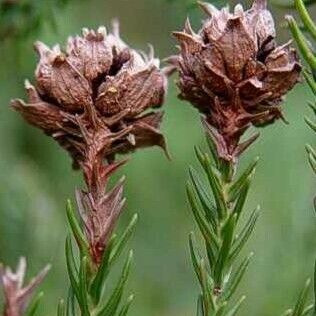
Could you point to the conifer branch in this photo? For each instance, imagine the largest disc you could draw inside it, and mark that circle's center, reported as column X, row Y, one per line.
column 232, row 73
column 82, row 101
column 306, row 49
column 220, row 225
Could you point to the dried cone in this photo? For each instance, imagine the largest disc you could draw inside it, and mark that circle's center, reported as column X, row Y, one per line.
column 95, row 100
column 17, row 295
column 96, row 92
column 234, row 73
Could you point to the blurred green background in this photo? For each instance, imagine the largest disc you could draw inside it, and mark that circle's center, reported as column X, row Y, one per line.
column 36, row 177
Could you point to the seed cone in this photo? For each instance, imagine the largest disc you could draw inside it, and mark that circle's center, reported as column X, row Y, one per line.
column 95, row 100
column 234, row 73
column 96, row 92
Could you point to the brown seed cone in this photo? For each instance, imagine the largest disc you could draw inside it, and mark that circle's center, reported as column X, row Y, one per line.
column 96, row 93
column 234, row 73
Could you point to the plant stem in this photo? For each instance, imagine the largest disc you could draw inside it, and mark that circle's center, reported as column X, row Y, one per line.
column 217, row 207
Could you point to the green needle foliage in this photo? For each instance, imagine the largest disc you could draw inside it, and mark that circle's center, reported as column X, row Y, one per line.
column 32, row 309
column 306, row 48
column 218, row 209
column 309, row 56
column 291, row 4
column 87, row 284
column 305, row 44
column 301, row 307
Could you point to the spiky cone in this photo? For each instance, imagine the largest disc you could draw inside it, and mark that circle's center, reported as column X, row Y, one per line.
column 17, row 296
column 96, row 99
column 234, row 73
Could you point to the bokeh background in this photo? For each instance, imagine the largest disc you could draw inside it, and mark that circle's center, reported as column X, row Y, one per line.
column 36, row 176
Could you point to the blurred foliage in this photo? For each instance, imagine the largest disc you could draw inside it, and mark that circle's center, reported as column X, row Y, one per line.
column 301, row 308
column 20, row 18
column 192, row 4
column 36, row 179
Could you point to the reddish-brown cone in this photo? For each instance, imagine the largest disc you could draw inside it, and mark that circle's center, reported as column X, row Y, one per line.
column 233, row 71
column 96, row 92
